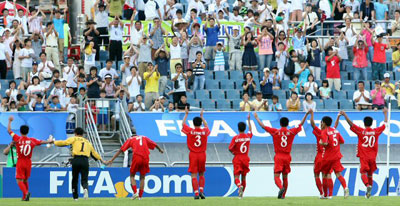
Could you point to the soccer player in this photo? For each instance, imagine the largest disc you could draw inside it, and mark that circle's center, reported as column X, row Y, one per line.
column 331, row 140
column 24, row 147
column 239, row 147
column 283, row 140
column 367, row 147
column 81, row 149
column 197, row 144
column 318, row 158
column 140, row 146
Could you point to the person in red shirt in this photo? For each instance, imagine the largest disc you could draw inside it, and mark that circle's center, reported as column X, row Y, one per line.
column 379, row 60
column 197, row 144
column 367, row 148
column 283, row 140
column 140, row 146
column 318, row 158
column 333, row 68
column 239, row 147
column 331, row 140
column 24, row 147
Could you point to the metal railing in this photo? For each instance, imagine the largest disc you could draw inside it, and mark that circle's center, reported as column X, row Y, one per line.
column 105, row 120
column 91, row 130
column 125, row 131
column 39, row 163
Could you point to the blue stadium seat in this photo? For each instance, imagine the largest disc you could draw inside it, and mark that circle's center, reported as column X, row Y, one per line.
column 221, row 75
column 236, row 104
column 202, row 94
column 346, row 104
column 232, row 94
column 209, row 74
column 330, row 104
column 285, row 84
column 235, row 74
column 238, row 84
column 282, row 94
column 367, row 85
column 208, row 104
column 212, row 84
column 223, row 104
column 227, row 84
column 320, row 104
column 190, row 95
column 350, row 94
column 395, row 105
column 339, row 94
column 194, row 103
column 344, row 75
column 348, row 85
column 217, row 94
column 397, row 76
column 283, row 103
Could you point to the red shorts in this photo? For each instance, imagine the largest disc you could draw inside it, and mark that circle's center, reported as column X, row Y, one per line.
column 368, row 165
column 329, row 165
column 282, row 163
column 140, row 164
column 241, row 165
column 197, row 162
column 23, row 169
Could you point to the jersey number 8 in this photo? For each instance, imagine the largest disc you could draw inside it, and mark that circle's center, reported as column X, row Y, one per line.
column 283, row 141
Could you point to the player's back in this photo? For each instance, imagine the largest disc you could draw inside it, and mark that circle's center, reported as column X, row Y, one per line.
column 317, row 133
column 140, row 146
column 240, row 144
column 334, row 139
column 196, row 138
column 367, row 140
column 283, row 139
column 25, row 146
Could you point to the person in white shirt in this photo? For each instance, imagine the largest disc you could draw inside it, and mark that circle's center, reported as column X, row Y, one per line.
column 3, row 57
column 235, row 17
column 354, row 5
column 310, row 20
column 136, row 32
column 22, row 17
column 45, row 68
column 361, row 97
column 51, row 50
column 297, row 10
column 133, row 83
column 116, row 33
column 69, row 73
column 284, row 7
column 101, row 11
column 26, row 56
column 157, row 106
column 265, row 11
column 138, row 105
column 195, row 4
column 151, row 10
column 325, row 6
column 217, row 6
column 108, row 70
column 172, row 7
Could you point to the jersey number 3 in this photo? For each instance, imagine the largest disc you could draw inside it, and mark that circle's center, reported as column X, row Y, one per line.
column 197, row 143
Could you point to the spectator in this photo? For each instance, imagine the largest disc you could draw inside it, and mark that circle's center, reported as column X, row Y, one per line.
column 249, row 85
column 12, row 91
column 179, row 79
column 13, row 107
column 33, row 73
column 195, row 46
column 361, row 97
column 198, row 72
column 381, row 12
column 125, row 69
column 326, row 10
column 211, row 31
column 4, row 55
column 367, row 10
column 314, row 58
column 17, row 29
column 266, row 84
column 281, row 59
column 368, row 32
column 219, row 63
column 235, row 16
column 21, row 103
column 69, row 73
column 303, row 72
column 260, row 104
column 342, row 42
column 175, row 49
column 133, row 83
column 311, row 87
column 34, row 89
column 161, row 57
column 51, row 50
column 333, row 69
column 298, row 41
column 80, row 81
column 265, row 50
column 108, row 70
column 45, row 68
column 101, row 12
column 182, row 104
column 293, row 103
column 26, row 57
column 275, row 106
column 151, row 89
column 353, row 4
column 396, row 59
column 116, row 32
column 152, row 10
column 245, row 105
column 173, row 6
column 37, row 42
column 396, row 23
column 378, row 97
column 310, row 20
column 92, row 34
column 4, row 104
column 58, row 25
column 38, row 105
column 348, row 14
column 360, row 62
column 338, row 10
column 185, row 50
column 109, row 86
column 388, row 87
column 235, row 55
column 157, row 106
column 393, row 7
column 144, row 54
column 93, row 84
column 103, row 113
column 379, row 60
column 138, row 105
column 156, row 35
column 17, row 47
column 297, row 10
column 249, row 59
column 309, row 103
column 82, row 96
column 136, row 31
column 294, row 86
column 284, row 7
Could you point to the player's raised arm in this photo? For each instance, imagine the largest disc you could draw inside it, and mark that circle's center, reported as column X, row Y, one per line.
column 385, row 112
column 337, row 120
column 258, row 120
column 313, row 125
column 61, row 143
column 304, row 118
column 248, row 120
column 185, row 118
column 202, row 118
column 348, row 120
column 10, row 119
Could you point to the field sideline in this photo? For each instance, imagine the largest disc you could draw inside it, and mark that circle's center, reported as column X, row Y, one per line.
column 306, row 201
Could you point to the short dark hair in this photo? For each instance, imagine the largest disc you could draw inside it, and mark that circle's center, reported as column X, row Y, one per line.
column 194, row 10
column 19, row 97
column 281, row 43
column 179, row 11
column 275, row 97
column 39, row 96
column 49, row 23
column 329, row 49
column 241, row 126
column 78, row 131
column 102, row 91
column 327, row 120
column 178, row 64
column 109, row 60
column 134, row 67
column 368, row 121
column 56, row 72
column 361, row 82
column 284, row 121
column 24, row 129
column 82, row 88
column 93, row 68
column 41, row 53
column 309, row 94
column 197, row 121
column 199, row 52
column 325, row 81
column 139, row 95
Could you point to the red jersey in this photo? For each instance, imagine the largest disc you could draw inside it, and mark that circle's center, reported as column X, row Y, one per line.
column 367, row 140
column 332, row 67
column 240, row 144
column 25, row 146
column 334, row 139
column 283, row 138
column 140, row 146
column 317, row 132
column 196, row 138
column 379, row 52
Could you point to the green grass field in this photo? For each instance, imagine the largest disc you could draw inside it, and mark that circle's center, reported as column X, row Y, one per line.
column 306, row 201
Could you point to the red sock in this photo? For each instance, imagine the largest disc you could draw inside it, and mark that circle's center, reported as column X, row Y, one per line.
column 319, row 185
column 244, row 184
column 140, row 193
column 278, row 182
column 22, row 187
column 364, row 178
column 237, row 182
column 330, row 186
column 202, row 183
column 370, row 181
column 285, row 185
column 325, row 186
column 343, row 182
column 195, row 186
column 134, row 189
column 27, row 186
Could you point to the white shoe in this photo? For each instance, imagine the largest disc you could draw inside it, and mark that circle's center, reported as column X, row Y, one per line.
column 330, row 197
column 135, row 196
column 240, row 192
column 346, row 193
column 85, row 194
column 139, row 198
column 322, row 197
column 76, row 199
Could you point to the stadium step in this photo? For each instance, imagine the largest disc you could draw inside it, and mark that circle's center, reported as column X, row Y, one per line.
column 111, row 146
